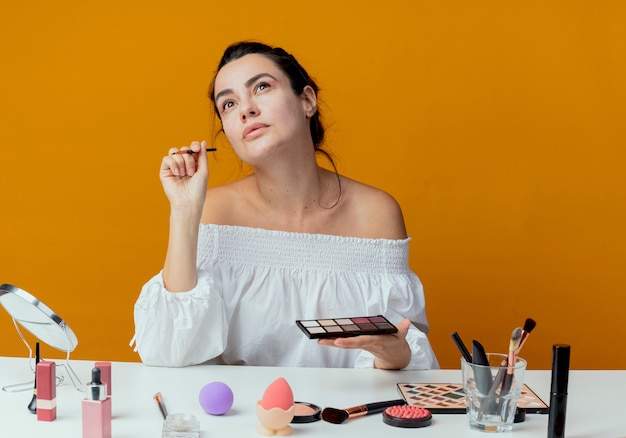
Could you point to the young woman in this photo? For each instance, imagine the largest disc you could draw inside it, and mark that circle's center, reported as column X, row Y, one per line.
column 290, row 241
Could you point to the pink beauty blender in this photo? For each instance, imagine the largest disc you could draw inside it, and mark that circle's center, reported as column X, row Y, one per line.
column 278, row 395
column 276, row 409
column 216, row 398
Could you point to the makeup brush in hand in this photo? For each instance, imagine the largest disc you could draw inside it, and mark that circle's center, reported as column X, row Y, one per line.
column 338, row 416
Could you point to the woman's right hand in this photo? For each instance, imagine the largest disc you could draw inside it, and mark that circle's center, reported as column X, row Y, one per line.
column 184, row 177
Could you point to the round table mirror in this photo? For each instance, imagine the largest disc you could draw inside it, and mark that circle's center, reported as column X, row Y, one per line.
column 37, row 318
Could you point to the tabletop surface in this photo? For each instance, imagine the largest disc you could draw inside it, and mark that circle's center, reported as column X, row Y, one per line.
column 596, row 406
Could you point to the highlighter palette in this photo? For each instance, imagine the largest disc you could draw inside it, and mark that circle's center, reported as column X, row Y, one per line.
column 449, row 398
column 345, row 327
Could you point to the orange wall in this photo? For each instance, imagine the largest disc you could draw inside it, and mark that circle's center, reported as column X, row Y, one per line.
column 496, row 124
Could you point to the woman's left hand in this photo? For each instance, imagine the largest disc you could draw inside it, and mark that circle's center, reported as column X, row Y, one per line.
column 391, row 352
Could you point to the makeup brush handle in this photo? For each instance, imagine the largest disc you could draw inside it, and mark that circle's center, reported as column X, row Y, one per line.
column 488, row 406
column 461, row 346
column 507, row 381
column 376, row 407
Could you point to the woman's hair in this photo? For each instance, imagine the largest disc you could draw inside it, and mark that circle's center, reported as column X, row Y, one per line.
column 298, row 78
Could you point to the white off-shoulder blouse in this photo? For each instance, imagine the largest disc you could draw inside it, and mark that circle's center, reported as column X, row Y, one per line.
column 253, row 284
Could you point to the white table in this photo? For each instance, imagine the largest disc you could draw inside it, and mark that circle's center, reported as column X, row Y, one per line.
column 596, row 404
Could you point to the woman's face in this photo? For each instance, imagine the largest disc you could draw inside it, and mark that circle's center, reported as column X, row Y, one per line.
column 260, row 113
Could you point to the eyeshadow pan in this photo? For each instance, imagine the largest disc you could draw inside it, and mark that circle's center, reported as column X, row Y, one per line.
column 377, row 319
column 343, row 321
column 360, row 320
column 315, row 330
column 333, row 329
column 346, row 326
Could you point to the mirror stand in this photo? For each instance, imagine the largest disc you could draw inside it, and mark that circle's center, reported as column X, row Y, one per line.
column 28, row 386
column 47, row 326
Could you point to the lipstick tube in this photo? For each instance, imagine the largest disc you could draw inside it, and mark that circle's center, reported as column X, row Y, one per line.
column 96, row 408
column 45, row 379
column 558, row 390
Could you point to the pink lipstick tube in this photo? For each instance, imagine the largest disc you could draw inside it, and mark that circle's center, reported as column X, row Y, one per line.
column 46, row 376
column 96, row 408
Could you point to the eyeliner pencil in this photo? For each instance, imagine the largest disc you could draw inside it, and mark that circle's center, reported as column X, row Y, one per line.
column 190, row 152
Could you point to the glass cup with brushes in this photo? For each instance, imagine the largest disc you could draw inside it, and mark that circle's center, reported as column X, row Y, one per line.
column 492, row 383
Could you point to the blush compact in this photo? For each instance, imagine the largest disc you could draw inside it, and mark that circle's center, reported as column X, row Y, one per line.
column 407, row 416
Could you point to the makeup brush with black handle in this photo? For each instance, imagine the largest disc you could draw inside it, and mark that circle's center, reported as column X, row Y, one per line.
column 338, row 416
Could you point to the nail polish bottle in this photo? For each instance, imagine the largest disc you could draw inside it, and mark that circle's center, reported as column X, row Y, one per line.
column 96, row 408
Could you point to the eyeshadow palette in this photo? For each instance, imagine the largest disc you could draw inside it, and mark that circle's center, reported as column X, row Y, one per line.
column 345, row 327
column 449, row 398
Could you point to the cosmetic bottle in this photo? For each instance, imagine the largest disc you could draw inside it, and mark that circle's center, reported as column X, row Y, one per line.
column 96, row 408
column 45, row 376
column 558, row 390
column 105, row 375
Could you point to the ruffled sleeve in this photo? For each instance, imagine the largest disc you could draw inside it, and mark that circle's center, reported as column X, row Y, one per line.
column 179, row 329
column 403, row 297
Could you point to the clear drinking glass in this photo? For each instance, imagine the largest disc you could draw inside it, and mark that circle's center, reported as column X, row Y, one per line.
column 492, row 392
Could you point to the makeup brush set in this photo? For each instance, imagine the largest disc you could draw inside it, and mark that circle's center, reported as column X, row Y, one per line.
column 559, row 377
column 500, row 384
column 479, row 357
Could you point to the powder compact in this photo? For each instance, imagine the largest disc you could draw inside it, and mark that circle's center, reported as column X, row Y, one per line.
column 306, row 413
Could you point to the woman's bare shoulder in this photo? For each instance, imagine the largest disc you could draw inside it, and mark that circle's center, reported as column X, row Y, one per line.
column 374, row 212
column 222, row 202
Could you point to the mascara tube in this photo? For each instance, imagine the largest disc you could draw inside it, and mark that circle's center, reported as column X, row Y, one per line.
column 558, row 390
